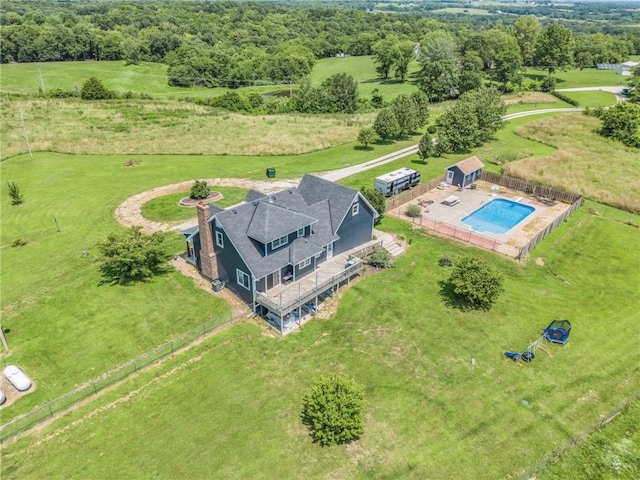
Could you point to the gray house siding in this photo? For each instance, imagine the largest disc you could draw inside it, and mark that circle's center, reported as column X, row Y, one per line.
column 228, row 260
column 301, row 272
column 459, row 178
column 355, row 229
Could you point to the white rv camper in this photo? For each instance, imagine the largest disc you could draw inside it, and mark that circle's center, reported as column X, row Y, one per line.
column 396, row 181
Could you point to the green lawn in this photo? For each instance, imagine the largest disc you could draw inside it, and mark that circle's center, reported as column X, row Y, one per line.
column 149, row 78
column 429, row 414
column 592, row 99
column 589, row 77
column 363, row 69
column 168, row 208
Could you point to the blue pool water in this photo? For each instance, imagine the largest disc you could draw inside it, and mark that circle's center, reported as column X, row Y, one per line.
column 498, row 216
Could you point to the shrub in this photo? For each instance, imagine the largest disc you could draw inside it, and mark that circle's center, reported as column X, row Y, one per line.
column 199, row 191
column 19, row 242
column 334, row 410
column 366, row 136
column 565, row 98
column 548, row 84
column 132, row 256
column 414, row 211
column 432, row 129
column 445, row 262
column 380, row 258
column 14, row 193
column 476, row 283
column 93, row 89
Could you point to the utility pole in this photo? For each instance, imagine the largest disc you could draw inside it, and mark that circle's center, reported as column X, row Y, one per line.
column 24, row 130
column 41, row 80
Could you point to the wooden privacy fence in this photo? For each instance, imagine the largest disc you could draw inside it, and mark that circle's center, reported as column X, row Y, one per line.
column 414, row 192
column 49, row 409
column 534, row 189
column 542, row 193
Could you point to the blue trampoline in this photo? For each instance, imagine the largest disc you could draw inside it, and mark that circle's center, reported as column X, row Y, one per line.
column 558, row 331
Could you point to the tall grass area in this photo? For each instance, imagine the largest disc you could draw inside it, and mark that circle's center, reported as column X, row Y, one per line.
column 430, row 413
column 585, row 162
column 166, row 127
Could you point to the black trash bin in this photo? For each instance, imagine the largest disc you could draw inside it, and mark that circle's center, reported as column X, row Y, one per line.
column 216, row 285
column 271, row 172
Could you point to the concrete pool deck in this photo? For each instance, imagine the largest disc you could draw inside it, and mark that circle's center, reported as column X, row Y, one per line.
column 446, row 219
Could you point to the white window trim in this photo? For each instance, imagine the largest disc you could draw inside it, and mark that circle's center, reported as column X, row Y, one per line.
column 355, row 208
column 280, row 242
column 242, row 275
column 219, row 239
column 305, row 263
column 301, row 232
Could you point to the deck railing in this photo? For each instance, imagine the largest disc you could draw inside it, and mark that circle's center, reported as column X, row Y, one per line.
column 282, row 306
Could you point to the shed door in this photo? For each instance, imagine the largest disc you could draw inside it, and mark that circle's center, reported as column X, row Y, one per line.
column 450, row 177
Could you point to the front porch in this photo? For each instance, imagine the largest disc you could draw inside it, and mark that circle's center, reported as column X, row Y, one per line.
column 286, row 298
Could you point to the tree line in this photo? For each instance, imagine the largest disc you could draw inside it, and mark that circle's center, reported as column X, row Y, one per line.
column 234, row 44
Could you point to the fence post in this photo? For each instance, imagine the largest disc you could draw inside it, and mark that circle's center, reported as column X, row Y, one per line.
column 50, row 411
column 95, row 390
column 135, row 366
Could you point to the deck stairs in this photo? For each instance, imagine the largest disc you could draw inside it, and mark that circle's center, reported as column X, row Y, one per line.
column 390, row 244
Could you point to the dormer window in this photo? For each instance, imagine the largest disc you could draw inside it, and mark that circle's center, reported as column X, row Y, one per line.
column 280, row 242
column 355, row 208
column 301, row 233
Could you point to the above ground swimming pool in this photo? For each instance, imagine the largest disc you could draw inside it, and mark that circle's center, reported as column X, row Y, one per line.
column 497, row 216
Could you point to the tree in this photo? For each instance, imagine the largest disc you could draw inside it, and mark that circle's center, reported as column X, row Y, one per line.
column 132, row 256
column 527, row 29
column 422, row 108
column 334, row 410
column 342, row 89
column 476, row 283
column 199, row 190
column 489, row 108
column 377, row 201
column 93, row 89
column 622, row 122
column 14, row 193
column 508, row 64
column 366, row 136
column 376, row 99
column 405, row 110
column 438, row 53
column 386, row 124
column 402, row 55
column 458, row 129
column 383, row 55
column 426, row 147
column 554, row 49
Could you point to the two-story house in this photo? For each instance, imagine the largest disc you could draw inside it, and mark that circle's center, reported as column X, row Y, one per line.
column 270, row 240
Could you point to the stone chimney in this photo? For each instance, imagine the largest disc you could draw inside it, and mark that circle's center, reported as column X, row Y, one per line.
column 208, row 263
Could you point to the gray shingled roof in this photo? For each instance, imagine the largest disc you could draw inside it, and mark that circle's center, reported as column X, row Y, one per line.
column 253, row 195
column 317, row 202
column 271, row 222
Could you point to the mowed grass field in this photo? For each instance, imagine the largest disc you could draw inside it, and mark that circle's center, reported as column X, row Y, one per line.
column 589, row 77
column 230, row 407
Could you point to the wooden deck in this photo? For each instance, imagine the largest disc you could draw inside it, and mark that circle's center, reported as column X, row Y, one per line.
column 285, row 298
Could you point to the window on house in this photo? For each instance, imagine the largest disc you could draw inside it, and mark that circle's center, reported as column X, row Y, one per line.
column 355, row 208
column 219, row 239
column 301, row 233
column 279, row 242
column 305, row 263
column 243, row 279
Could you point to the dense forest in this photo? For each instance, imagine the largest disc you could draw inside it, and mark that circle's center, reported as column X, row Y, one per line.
column 243, row 43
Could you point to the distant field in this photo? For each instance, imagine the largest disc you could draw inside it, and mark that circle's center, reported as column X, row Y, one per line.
column 363, row 69
column 466, row 11
column 584, row 161
column 592, row 99
column 589, row 77
column 166, row 127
